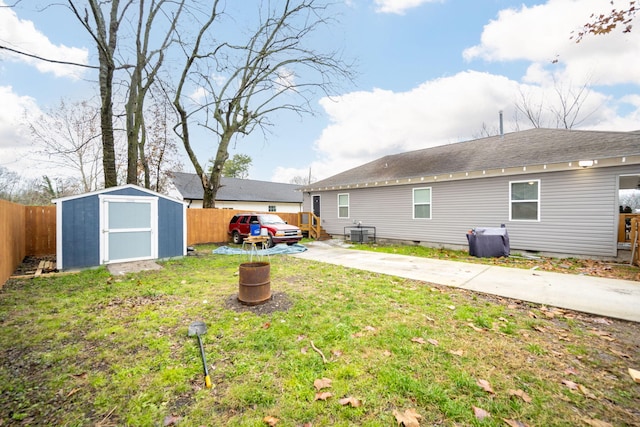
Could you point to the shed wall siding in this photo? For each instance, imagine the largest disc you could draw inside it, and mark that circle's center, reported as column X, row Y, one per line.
column 81, row 233
column 578, row 211
column 81, row 228
column 170, row 229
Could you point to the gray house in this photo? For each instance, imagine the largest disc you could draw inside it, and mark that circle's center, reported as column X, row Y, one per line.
column 118, row 224
column 241, row 194
column 555, row 190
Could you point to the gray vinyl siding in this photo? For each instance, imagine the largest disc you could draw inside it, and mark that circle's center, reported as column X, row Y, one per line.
column 578, row 211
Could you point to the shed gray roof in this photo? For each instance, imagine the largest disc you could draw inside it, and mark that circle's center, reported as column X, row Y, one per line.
column 518, row 149
column 235, row 189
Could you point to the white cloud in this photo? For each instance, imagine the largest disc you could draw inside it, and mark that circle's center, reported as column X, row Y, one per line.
column 16, row 149
column 22, row 35
column 399, row 7
column 542, row 34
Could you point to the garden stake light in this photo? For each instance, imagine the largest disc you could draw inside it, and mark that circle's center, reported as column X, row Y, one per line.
column 198, row 328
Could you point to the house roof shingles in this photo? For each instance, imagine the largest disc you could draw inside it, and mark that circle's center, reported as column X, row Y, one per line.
column 518, row 149
column 235, row 189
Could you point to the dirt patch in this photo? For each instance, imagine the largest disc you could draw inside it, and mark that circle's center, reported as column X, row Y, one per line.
column 122, row 268
column 279, row 301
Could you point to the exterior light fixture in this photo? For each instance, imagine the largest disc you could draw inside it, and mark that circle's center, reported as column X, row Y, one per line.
column 585, row 163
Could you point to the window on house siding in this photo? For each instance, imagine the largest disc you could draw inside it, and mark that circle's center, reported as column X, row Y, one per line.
column 422, row 203
column 343, row 206
column 524, row 200
column 272, row 208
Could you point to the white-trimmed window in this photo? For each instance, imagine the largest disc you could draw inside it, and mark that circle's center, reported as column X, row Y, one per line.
column 422, row 203
column 524, row 200
column 272, row 208
column 343, row 205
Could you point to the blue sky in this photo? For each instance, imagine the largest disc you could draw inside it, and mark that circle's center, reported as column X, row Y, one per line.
column 429, row 73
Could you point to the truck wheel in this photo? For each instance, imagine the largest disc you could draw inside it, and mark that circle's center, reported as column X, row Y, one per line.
column 237, row 239
column 270, row 243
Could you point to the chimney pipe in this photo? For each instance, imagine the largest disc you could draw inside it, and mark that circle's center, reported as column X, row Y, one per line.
column 501, row 125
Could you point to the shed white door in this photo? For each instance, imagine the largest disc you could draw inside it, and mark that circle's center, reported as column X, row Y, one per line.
column 129, row 228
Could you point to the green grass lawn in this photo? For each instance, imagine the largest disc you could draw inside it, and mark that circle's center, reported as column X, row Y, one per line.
column 94, row 349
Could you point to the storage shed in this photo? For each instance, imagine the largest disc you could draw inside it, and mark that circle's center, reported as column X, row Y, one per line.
column 118, row 224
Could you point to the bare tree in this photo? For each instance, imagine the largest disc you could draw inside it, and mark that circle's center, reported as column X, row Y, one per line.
column 105, row 35
column 9, row 184
column 564, row 111
column 70, row 137
column 143, row 74
column 160, row 152
column 303, row 180
column 273, row 70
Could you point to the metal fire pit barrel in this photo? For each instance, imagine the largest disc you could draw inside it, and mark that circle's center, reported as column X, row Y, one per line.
column 255, row 283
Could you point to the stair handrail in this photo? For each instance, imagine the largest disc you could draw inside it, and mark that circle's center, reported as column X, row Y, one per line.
column 313, row 225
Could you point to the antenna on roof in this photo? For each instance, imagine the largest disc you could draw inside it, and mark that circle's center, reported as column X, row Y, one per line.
column 501, row 125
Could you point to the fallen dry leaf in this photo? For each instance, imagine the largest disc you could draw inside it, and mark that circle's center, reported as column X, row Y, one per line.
column 72, row 392
column 451, row 307
column 480, row 413
column 602, row 334
column 457, row 352
column 82, row 376
column 570, row 384
column 596, row 423
column 586, row 391
column 267, row 325
column 272, row 421
column 410, row 418
column 635, row 375
column 369, row 328
column 321, row 383
column 474, row 327
column 336, row 353
column 619, row 353
column 303, row 350
column 521, row 394
column 570, row 371
column 356, row 403
column 323, row 395
column 515, row 423
column 484, row 384
column 419, row 340
column 387, row 353
column 433, row 342
column 171, row 420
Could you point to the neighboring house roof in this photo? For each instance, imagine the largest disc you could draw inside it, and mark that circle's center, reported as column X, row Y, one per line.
column 511, row 150
column 235, row 189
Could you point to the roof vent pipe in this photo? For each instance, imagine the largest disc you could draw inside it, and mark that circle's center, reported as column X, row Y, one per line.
column 501, row 125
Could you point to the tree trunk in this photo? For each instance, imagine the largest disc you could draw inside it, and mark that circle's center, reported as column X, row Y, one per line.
column 216, row 171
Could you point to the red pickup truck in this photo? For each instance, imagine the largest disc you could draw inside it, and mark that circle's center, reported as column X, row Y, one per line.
column 277, row 229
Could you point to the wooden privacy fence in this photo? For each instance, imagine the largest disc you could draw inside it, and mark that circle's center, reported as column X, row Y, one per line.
column 31, row 230
column 24, row 230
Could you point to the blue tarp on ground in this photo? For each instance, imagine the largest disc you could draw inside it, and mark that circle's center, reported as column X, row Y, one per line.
column 281, row 249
